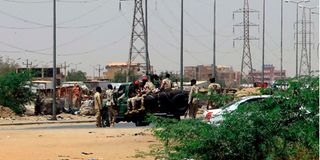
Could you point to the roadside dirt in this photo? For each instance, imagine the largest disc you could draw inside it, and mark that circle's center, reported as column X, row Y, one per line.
column 75, row 144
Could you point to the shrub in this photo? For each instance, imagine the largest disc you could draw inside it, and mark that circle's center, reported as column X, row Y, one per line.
column 285, row 126
column 13, row 91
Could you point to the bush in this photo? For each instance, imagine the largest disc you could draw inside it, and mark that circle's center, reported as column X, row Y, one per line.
column 283, row 127
column 13, row 93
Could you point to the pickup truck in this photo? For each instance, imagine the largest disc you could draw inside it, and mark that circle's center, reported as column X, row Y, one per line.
column 166, row 104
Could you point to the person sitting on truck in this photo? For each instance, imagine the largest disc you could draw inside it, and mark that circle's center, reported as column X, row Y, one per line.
column 149, row 87
column 166, row 84
column 132, row 102
column 156, row 81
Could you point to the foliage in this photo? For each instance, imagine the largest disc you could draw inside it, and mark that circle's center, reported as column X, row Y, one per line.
column 76, row 76
column 13, row 91
column 218, row 99
column 282, row 127
column 7, row 66
column 120, row 77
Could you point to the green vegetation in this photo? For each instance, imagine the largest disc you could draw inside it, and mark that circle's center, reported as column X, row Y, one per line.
column 76, row 76
column 283, row 127
column 14, row 92
column 120, row 77
column 7, row 66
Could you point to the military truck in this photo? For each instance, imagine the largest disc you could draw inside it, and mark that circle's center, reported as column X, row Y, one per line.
column 167, row 104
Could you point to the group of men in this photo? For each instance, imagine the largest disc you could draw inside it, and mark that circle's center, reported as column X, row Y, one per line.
column 193, row 101
column 149, row 85
column 110, row 104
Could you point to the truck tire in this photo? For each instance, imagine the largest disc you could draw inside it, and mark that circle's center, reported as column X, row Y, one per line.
column 180, row 104
column 105, row 117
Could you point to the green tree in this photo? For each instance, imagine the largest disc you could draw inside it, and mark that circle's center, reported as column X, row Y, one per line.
column 285, row 126
column 76, row 76
column 6, row 66
column 120, row 77
column 13, row 91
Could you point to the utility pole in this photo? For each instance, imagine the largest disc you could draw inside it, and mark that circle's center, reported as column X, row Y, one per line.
column 297, row 30
column 99, row 70
column 281, row 43
column 138, row 42
column 263, row 39
column 27, row 63
column 181, row 48
column 54, row 107
column 214, row 41
column 146, row 38
column 246, row 62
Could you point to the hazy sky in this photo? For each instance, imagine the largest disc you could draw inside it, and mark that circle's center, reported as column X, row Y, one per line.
column 92, row 32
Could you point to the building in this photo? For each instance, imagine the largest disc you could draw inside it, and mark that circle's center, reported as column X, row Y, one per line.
column 43, row 74
column 115, row 67
column 270, row 74
column 225, row 74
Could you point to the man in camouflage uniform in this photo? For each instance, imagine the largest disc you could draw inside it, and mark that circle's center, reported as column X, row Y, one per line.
column 212, row 88
column 193, row 101
column 98, row 106
column 166, row 84
column 111, row 105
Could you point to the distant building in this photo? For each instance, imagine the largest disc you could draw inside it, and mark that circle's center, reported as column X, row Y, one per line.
column 115, row 67
column 43, row 74
column 270, row 74
column 225, row 74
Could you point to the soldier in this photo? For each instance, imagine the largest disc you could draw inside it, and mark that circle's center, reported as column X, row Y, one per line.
column 166, row 84
column 76, row 96
column 212, row 88
column 149, row 86
column 175, row 85
column 111, row 105
column 98, row 106
column 193, row 101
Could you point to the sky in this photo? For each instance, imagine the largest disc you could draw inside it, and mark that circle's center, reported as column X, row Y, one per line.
column 96, row 32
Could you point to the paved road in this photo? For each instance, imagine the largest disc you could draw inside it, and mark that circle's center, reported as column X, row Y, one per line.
column 69, row 126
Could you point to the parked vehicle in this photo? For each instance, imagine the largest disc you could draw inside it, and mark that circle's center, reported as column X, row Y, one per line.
column 215, row 116
column 167, row 104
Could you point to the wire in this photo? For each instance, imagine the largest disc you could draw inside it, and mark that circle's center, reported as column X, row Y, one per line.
column 50, row 1
column 84, row 14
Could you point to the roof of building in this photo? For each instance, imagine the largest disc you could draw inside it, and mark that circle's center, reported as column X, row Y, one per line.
column 113, row 64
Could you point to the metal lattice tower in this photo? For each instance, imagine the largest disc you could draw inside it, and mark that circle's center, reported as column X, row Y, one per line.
column 138, row 52
column 304, row 62
column 246, row 62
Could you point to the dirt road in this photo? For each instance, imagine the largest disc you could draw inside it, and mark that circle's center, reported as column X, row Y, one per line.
column 18, row 143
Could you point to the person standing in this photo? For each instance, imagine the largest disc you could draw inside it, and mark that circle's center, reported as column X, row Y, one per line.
column 166, row 84
column 111, row 105
column 175, row 85
column 98, row 106
column 76, row 96
column 212, row 88
column 193, row 100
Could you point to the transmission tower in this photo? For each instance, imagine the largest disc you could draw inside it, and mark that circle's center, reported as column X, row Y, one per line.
column 305, row 66
column 139, row 41
column 246, row 62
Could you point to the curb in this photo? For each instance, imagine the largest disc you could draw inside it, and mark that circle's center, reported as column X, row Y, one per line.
column 46, row 122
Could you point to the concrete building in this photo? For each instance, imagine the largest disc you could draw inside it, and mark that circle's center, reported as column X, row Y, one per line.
column 115, row 67
column 270, row 74
column 43, row 74
column 225, row 74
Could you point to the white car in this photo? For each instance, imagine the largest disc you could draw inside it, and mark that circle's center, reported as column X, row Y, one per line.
column 214, row 116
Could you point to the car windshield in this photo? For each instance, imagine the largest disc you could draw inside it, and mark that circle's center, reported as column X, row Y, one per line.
column 229, row 104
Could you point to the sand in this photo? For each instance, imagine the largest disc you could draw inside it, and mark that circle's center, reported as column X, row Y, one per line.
column 18, row 143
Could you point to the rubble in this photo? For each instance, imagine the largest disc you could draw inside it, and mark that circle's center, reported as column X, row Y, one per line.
column 6, row 112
